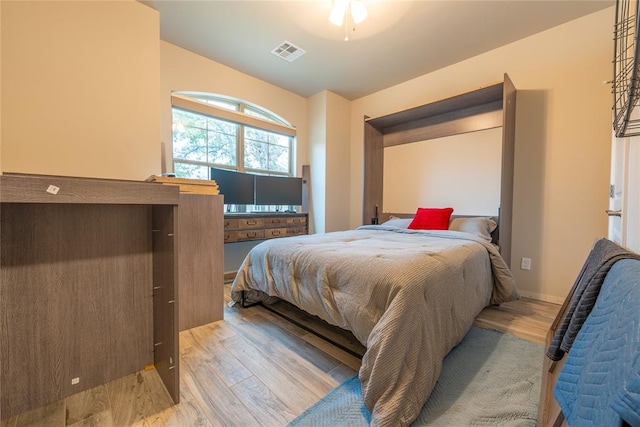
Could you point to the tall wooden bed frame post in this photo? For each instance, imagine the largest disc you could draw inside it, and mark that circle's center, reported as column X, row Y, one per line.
column 373, row 166
column 485, row 108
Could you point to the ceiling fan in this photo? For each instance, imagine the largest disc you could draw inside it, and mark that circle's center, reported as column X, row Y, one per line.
column 343, row 10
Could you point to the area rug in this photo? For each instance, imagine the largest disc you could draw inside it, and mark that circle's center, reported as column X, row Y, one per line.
column 489, row 379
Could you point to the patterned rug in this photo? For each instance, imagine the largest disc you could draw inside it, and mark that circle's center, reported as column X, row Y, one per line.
column 489, row 379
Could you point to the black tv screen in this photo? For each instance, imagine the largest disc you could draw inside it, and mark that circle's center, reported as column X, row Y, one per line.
column 236, row 187
column 278, row 190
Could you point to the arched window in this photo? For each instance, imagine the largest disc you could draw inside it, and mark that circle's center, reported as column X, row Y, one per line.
column 217, row 131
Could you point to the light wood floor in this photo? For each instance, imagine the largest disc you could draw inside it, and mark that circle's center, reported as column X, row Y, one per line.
column 252, row 369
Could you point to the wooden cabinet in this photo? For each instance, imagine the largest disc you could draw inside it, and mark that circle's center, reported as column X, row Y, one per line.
column 200, row 259
column 88, row 284
column 260, row 226
column 485, row 108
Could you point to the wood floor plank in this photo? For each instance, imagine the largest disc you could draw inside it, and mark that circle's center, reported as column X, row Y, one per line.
column 213, row 332
column 291, row 336
column 341, row 355
column 288, row 359
column 187, row 413
column 340, row 336
column 87, row 404
column 525, row 318
column 137, row 396
column 101, row 419
column 204, row 350
column 263, row 403
column 342, row 373
column 217, row 402
column 285, row 383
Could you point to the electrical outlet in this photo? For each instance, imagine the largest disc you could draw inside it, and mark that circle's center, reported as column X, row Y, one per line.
column 525, row 263
column 75, row 380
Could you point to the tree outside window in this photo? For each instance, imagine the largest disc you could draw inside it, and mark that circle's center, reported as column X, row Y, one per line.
column 201, row 141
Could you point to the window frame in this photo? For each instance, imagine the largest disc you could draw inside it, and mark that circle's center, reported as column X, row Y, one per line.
column 187, row 102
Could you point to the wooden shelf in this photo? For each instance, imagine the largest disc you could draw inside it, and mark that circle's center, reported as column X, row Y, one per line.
column 460, row 106
column 19, row 188
column 88, row 284
column 200, row 259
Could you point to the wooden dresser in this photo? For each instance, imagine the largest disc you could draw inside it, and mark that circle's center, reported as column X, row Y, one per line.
column 243, row 227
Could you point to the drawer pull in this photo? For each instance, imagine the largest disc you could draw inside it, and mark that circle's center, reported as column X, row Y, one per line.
column 252, row 234
column 275, row 233
column 251, row 222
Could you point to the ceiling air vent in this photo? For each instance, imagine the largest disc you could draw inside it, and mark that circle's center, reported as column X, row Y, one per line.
column 288, row 51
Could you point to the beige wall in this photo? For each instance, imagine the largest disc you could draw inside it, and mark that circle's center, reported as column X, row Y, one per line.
column 317, row 109
column 562, row 141
column 329, row 151
column 338, row 162
column 80, row 89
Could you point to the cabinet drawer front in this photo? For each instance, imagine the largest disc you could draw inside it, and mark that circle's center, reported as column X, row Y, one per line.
column 298, row 220
column 230, row 223
column 271, row 233
column 296, row 231
column 250, row 223
column 230, row 236
column 250, row 234
column 275, row 222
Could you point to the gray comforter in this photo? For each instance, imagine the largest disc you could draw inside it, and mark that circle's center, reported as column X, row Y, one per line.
column 408, row 296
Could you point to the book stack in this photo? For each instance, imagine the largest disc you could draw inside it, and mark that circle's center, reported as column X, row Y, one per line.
column 190, row 186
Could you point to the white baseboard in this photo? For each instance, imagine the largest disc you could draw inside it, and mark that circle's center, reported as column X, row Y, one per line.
column 541, row 297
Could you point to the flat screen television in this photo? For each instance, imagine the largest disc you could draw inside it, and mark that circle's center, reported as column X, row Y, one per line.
column 278, row 190
column 236, row 187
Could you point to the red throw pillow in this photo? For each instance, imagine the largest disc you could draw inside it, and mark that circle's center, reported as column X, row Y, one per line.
column 431, row 219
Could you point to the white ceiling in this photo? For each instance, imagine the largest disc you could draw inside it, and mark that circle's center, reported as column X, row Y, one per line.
column 399, row 40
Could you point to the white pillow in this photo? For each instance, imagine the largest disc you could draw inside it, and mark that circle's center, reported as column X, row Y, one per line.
column 398, row 222
column 480, row 226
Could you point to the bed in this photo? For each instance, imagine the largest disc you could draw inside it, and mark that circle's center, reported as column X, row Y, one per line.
column 409, row 296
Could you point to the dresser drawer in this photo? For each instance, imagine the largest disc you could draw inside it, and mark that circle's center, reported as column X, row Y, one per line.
column 275, row 222
column 230, row 223
column 250, row 222
column 270, row 233
column 296, row 231
column 298, row 220
column 230, row 236
column 250, row 235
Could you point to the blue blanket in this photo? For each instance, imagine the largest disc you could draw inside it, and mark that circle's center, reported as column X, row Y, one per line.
column 603, row 255
column 599, row 384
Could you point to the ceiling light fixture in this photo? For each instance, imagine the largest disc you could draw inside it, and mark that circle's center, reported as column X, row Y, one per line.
column 345, row 9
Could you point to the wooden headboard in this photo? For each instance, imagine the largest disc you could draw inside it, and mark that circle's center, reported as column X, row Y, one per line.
column 486, row 108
